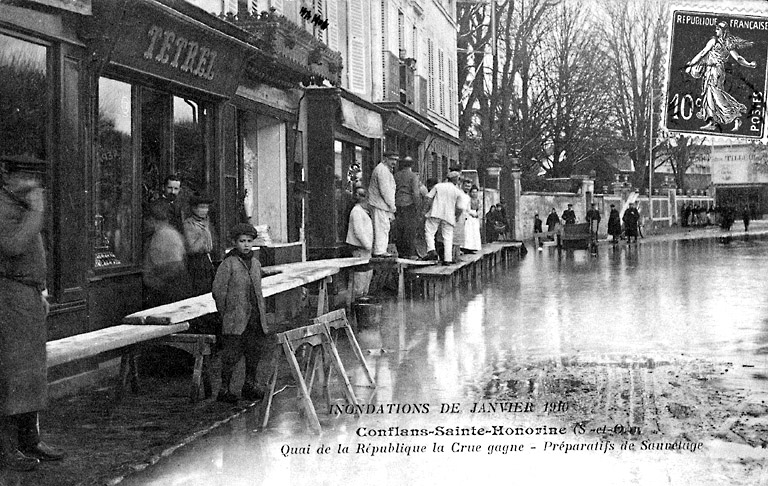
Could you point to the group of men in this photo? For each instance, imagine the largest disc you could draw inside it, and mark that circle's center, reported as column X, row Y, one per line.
column 401, row 195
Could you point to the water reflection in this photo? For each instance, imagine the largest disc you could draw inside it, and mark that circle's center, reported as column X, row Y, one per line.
column 646, row 302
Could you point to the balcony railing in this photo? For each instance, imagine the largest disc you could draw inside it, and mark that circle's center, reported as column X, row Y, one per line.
column 277, row 36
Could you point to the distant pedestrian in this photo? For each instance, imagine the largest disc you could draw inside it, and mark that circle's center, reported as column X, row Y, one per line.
column 685, row 213
column 537, row 227
column 381, row 200
column 631, row 218
column 459, row 233
column 472, row 239
column 569, row 215
column 360, row 237
column 727, row 218
column 495, row 225
column 745, row 216
column 614, row 224
column 593, row 219
column 552, row 221
column 240, row 302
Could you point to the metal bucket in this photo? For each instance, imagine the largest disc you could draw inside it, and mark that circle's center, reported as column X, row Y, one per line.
column 367, row 313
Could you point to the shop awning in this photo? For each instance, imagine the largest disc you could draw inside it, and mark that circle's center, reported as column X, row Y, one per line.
column 407, row 125
column 361, row 120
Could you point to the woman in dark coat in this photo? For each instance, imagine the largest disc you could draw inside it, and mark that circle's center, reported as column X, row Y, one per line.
column 631, row 218
column 614, row 224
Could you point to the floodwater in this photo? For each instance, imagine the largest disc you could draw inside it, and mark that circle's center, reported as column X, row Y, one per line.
column 667, row 341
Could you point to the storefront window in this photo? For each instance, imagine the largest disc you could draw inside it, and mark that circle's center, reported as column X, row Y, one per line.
column 350, row 162
column 155, row 148
column 24, row 95
column 113, row 176
column 189, row 143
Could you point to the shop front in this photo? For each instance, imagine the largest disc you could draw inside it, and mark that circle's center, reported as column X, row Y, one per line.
column 158, row 90
column 344, row 136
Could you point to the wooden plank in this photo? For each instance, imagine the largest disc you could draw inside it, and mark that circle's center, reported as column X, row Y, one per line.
column 188, row 309
column 298, row 267
column 181, row 311
column 92, row 343
column 415, row 263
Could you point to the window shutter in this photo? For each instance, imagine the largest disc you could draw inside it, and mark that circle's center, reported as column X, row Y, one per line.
column 451, row 91
column 333, row 24
column 356, row 47
column 441, row 79
column 431, row 73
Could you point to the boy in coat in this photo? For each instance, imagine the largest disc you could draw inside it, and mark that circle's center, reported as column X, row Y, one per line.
column 240, row 302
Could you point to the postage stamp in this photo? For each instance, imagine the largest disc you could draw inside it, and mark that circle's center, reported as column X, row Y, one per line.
column 716, row 74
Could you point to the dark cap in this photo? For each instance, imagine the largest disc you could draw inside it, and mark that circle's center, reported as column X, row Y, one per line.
column 23, row 163
column 200, row 198
column 242, row 229
column 391, row 154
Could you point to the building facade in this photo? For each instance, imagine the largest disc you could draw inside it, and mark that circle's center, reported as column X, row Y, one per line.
column 116, row 96
column 740, row 177
column 397, row 92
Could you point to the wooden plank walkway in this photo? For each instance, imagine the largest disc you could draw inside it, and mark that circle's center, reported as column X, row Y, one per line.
column 291, row 276
column 436, row 281
column 92, row 343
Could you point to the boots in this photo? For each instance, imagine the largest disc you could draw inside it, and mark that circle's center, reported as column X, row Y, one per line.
column 10, row 457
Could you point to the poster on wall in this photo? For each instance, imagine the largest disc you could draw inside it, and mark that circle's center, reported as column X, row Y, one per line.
column 717, row 74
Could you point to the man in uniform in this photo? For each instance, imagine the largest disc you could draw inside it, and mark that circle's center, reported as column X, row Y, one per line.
column 381, row 200
column 569, row 216
column 23, row 309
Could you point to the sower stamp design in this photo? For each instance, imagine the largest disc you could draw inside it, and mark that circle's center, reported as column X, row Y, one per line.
column 717, row 75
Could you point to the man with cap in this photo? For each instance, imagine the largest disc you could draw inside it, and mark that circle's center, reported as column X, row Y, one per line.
column 23, row 310
column 381, row 200
column 569, row 216
column 407, row 202
column 593, row 219
column 448, row 202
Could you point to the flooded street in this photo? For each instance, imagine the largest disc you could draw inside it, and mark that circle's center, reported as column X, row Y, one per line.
column 643, row 365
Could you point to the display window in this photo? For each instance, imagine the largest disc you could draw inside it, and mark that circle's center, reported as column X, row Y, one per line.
column 143, row 135
column 352, row 167
column 24, row 93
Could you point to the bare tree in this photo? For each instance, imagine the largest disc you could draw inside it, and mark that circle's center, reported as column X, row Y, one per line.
column 578, row 119
column 681, row 153
column 634, row 32
column 496, row 86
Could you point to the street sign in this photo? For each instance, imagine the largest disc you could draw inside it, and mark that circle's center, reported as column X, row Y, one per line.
column 716, row 75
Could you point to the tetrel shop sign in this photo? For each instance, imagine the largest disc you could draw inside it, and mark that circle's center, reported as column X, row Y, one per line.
column 717, row 75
